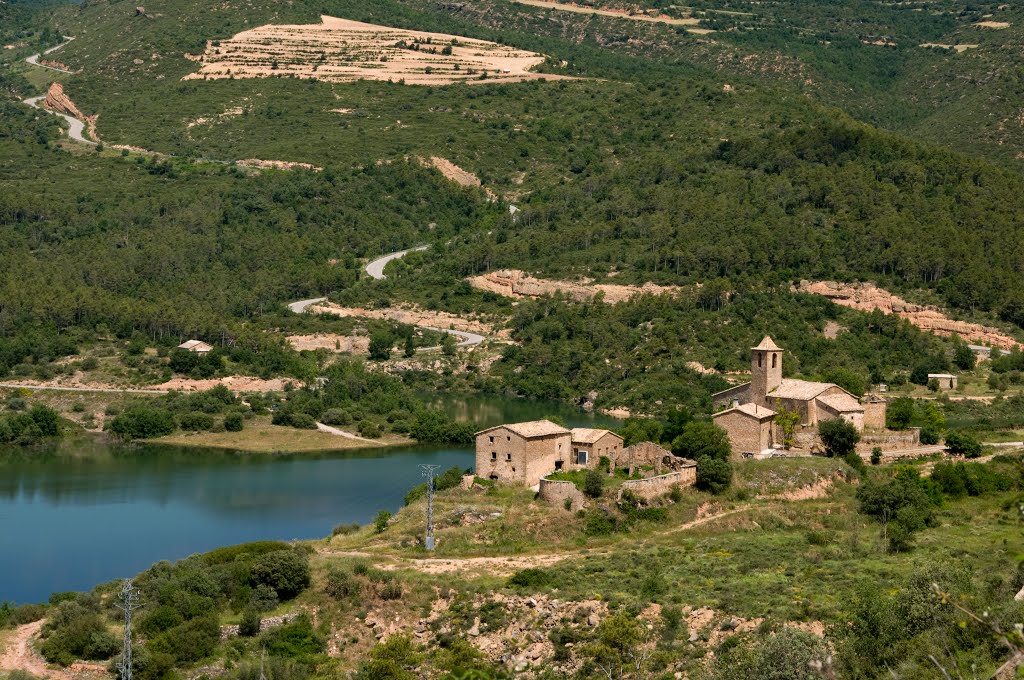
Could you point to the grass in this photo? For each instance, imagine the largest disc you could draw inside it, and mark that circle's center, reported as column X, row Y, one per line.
column 260, row 436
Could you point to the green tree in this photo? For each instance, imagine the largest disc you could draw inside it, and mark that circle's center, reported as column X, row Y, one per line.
column 380, row 346
column 234, row 422
column 286, row 571
column 449, row 347
column 963, row 444
column 410, row 347
column 787, row 422
column 380, row 521
column 700, row 439
column 713, row 474
column 593, row 484
column 963, row 357
column 619, row 650
column 900, row 413
column 839, row 436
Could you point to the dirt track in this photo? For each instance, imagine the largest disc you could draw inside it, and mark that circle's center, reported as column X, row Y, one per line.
column 19, row 654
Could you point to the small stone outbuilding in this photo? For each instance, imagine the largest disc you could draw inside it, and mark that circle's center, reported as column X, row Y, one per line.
column 750, row 428
column 945, row 381
column 874, row 412
column 197, row 346
column 590, row 445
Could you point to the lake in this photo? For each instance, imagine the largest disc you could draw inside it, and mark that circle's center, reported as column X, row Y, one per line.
column 82, row 512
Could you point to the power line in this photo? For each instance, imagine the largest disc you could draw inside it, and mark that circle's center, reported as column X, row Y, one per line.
column 129, row 602
column 428, row 472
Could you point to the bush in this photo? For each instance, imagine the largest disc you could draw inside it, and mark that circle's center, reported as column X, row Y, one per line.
column 876, row 456
column 929, row 436
column 234, row 422
column 839, row 437
column 340, row 584
column 295, row 639
column 82, row 635
column 192, row 641
column 369, row 429
column 713, row 474
column 962, row 444
column 593, row 484
column 250, row 624
column 345, row 529
column 530, row 578
column 380, row 521
column 263, row 598
column 286, row 571
column 142, row 422
column 599, row 523
column 196, row 421
column 391, row 590
column 336, row 416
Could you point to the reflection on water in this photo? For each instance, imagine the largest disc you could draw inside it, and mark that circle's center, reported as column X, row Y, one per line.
column 82, row 512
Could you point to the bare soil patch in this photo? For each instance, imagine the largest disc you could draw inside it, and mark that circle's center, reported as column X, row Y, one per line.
column 513, row 283
column 234, row 382
column 410, row 315
column 993, row 24
column 689, row 22
column 340, row 50
column 958, row 48
column 869, row 297
column 335, row 343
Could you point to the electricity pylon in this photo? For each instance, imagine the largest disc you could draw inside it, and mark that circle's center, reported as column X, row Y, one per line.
column 428, row 472
column 129, row 602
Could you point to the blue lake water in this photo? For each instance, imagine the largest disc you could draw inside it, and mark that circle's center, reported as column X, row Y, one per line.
column 80, row 513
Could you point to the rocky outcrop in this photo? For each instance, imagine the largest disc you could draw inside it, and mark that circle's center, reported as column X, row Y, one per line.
column 513, row 283
column 58, row 101
column 869, row 297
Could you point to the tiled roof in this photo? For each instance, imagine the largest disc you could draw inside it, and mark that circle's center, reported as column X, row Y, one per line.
column 535, row 428
column 194, row 345
column 759, row 412
column 799, row 389
column 769, row 344
column 841, row 403
column 734, row 388
column 588, row 435
column 940, row 375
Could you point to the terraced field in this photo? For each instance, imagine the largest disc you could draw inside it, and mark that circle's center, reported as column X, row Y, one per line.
column 341, row 50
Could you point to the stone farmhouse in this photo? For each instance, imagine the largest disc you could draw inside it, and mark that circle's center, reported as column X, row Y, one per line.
column 526, row 452
column 747, row 412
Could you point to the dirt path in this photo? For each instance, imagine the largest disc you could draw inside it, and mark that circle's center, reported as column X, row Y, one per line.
column 347, row 435
column 19, row 654
column 690, row 23
column 376, row 268
column 504, row 566
column 110, row 390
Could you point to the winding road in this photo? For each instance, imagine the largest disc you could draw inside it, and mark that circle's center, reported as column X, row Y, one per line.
column 76, row 128
column 376, row 268
column 376, row 271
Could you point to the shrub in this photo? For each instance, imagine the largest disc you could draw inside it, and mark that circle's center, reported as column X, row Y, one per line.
column 530, row 578
column 599, row 523
column 876, row 456
column 345, row 529
column 593, row 484
column 191, row 641
column 839, row 437
column 302, row 421
column 370, row 429
column 263, row 598
column 82, row 636
column 336, row 416
column 250, row 624
column 340, row 584
column 929, row 435
column 295, row 639
column 286, row 571
column 195, row 421
column 234, row 422
column 390, row 591
column 962, row 444
column 142, row 422
column 713, row 474
column 380, row 521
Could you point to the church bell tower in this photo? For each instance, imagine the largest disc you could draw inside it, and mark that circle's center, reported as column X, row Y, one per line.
column 765, row 370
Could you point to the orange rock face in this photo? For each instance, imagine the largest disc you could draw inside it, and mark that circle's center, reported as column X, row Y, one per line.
column 869, row 297
column 516, row 284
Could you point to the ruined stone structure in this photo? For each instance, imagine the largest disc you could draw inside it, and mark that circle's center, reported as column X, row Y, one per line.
column 747, row 411
column 874, row 412
column 645, row 454
column 526, row 452
column 652, row 487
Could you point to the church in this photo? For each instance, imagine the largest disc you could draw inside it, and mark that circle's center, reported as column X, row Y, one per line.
column 747, row 412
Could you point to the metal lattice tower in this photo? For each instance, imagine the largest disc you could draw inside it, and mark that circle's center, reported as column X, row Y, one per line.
column 428, row 472
column 129, row 602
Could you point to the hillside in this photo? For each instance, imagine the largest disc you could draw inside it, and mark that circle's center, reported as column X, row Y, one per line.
column 752, row 584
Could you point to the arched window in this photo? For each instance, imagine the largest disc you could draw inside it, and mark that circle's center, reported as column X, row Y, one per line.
column 774, row 357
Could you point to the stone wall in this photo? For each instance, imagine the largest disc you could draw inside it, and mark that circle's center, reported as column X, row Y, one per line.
column 890, row 440
column 652, row 487
column 556, row 491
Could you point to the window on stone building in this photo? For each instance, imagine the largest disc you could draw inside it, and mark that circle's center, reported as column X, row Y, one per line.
column 492, row 439
column 508, row 456
column 581, row 457
column 494, row 455
column 774, row 357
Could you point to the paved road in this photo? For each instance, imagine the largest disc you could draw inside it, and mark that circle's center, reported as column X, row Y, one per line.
column 110, row 390
column 300, row 306
column 467, row 337
column 34, row 59
column 376, row 268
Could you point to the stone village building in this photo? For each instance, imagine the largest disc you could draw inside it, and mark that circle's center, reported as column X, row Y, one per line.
column 526, row 452
column 747, row 412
